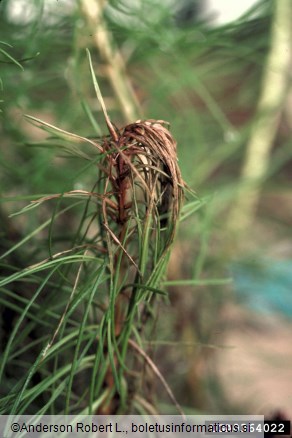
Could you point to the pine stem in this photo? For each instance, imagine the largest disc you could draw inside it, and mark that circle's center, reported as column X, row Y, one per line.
column 270, row 105
column 115, row 66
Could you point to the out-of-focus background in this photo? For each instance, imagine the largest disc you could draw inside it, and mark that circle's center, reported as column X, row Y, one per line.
column 220, row 72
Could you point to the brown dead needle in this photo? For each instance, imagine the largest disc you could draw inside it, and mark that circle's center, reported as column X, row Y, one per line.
column 143, row 175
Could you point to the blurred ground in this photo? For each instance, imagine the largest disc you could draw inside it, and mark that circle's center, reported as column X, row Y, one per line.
column 257, row 370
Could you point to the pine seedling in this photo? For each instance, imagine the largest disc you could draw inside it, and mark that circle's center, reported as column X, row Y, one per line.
column 136, row 199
